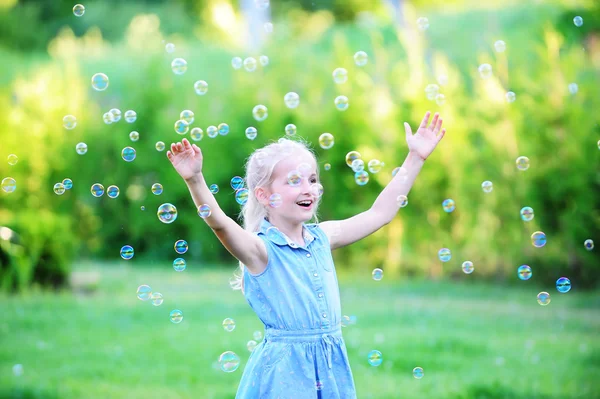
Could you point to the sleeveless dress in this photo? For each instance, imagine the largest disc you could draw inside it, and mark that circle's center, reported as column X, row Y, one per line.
column 303, row 354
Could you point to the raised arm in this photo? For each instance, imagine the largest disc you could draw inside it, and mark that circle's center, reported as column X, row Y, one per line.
column 385, row 207
column 245, row 246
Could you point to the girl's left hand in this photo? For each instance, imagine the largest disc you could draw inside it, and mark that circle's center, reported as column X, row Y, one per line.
column 426, row 139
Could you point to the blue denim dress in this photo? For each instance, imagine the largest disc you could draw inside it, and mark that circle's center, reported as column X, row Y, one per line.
column 303, row 354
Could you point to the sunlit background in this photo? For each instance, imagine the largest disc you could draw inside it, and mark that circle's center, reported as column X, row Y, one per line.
column 515, row 182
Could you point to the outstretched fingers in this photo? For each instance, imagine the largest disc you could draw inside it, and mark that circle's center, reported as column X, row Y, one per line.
column 407, row 130
column 438, row 126
column 441, row 135
column 423, row 124
column 434, row 121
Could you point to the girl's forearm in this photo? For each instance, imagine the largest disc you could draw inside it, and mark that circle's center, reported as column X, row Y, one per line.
column 201, row 196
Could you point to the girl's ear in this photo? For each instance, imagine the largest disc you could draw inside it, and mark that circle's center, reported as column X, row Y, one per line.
column 262, row 195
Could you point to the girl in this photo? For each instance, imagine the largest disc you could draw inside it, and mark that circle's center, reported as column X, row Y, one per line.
column 287, row 272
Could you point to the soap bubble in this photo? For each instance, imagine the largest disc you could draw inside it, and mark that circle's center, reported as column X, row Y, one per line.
column 327, row 166
column 361, row 58
column 467, row 267
column 144, row 292
column 524, row 272
column 257, row 335
column 116, row 114
column 260, row 112
column 578, row 21
column 157, row 298
column 170, row 48
column 196, row 134
column 326, row 141
column 431, row 91
column 374, row 165
column 229, row 361
column 251, row 345
column 251, row 133
column 179, row 264
column 588, row 244
column 538, row 239
column 418, row 373
column 12, row 159
column 377, row 274
column 59, row 189
column 223, row 129
column 423, row 23
column 130, row 116
column 229, row 324
column 340, row 75
column 181, row 246
column 444, row 254
column 69, row 122
column 127, row 252
column 167, row 213
column 264, row 60
column 241, row 196
column 275, row 200
column 375, row 358
column 487, row 186
column 176, row 316
column 448, row 205
column 68, row 183
column 181, row 127
column 291, row 100
column 214, row 189
column 97, row 190
column 108, row 118
column 179, row 66
column 160, row 146
column 268, row 26
column 485, row 71
column 341, row 103
column 563, row 285
column 157, row 189
column 236, row 182
column 290, row 129
column 112, row 191
column 500, row 46
column 361, row 178
column 351, row 156
column 204, row 211
column 573, row 88
column 522, row 163
column 510, row 97
column 134, row 136
column 440, row 99
column 543, row 298
column 78, row 10
column 250, row 64
column 128, row 153
column 358, row 165
column 99, row 82
column 187, row 115
column 402, row 201
column 212, row 131
column 201, row 87
column 527, row 214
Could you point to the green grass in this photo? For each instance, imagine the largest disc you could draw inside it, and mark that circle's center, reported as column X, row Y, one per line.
column 473, row 340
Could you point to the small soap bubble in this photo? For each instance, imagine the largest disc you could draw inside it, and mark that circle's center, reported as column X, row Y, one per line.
column 294, row 178
column 251, row 345
column 268, row 26
column 170, row 48
column 116, row 114
column 143, row 208
column 81, row 148
column 524, row 272
column 59, row 189
column 423, row 23
column 128, row 153
column 543, row 298
column 538, row 239
column 377, row 274
column 97, row 190
column 444, row 254
column 345, row 321
column 214, row 188
column 319, row 385
column 260, row 112
column 236, row 182
column 78, row 10
column 290, row 129
column 341, row 103
column 326, row 141
column 212, row 131
column 275, row 200
column 442, row 79
column 179, row 264
column 250, row 64
column 573, row 88
column 351, row 156
column 418, row 373
column 157, row 298
column 402, row 201
column 229, row 361
column 257, row 335
column 264, row 60
column 223, row 129
column 340, row 75
column 99, row 82
column 68, row 183
column 144, row 292
column 440, row 99
column 375, row 358
column 448, row 205
column 487, row 186
column 361, row 178
column 179, row 66
column 563, row 285
column 167, row 213
column 374, row 165
column 467, row 267
column 130, row 116
column 358, row 165
column 17, row 370
column 228, row 324
column 108, row 118
column 112, row 191
column 69, row 122
column 588, row 244
column 204, row 211
column 527, row 214
column 127, row 252
column 361, row 58
column 237, row 63
column 578, row 21
column 201, row 87
column 431, row 91
column 241, row 196
column 182, row 127
column 160, row 146
column 181, row 246
column 196, row 134
column 157, row 189
column 327, row 166
column 12, row 159
column 134, row 136
column 485, row 71
column 510, row 96
column 176, row 316
column 291, row 100
column 187, row 115
column 316, row 189
column 500, row 46
column 522, row 163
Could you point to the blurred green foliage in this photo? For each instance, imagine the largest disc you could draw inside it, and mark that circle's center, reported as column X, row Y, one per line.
column 558, row 131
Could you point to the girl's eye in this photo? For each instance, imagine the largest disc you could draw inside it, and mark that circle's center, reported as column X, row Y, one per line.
column 313, row 180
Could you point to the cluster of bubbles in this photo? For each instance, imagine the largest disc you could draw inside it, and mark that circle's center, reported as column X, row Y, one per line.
column 250, row 63
column 144, row 293
column 61, row 187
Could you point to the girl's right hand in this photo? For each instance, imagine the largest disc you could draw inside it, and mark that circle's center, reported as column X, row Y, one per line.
column 186, row 158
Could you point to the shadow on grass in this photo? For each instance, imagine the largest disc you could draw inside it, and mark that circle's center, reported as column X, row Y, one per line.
column 25, row 393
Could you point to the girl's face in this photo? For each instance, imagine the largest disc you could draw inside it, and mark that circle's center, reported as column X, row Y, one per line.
column 293, row 180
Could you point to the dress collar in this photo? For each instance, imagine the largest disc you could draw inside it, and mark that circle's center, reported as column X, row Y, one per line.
column 278, row 237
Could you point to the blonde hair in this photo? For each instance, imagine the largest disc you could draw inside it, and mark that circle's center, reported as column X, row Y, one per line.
column 259, row 173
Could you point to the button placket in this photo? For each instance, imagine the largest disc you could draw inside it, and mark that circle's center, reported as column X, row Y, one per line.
column 319, row 290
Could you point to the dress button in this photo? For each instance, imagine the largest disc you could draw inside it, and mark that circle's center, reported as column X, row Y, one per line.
column 324, row 315
column 308, row 255
column 316, row 275
column 320, row 295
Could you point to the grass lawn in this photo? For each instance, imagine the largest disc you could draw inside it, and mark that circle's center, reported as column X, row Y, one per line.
column 472, row 340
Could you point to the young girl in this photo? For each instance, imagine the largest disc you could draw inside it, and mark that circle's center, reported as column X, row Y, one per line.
column 287, row 275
